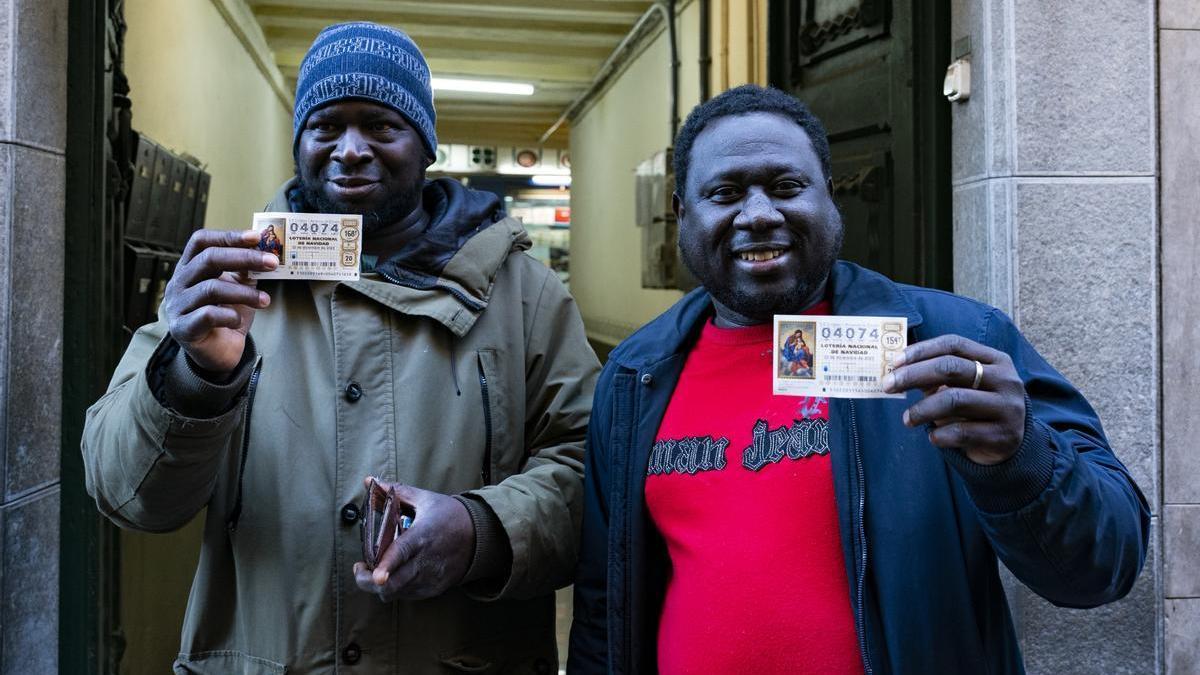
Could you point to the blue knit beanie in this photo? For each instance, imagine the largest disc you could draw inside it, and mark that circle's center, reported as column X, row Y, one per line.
column 362, row 60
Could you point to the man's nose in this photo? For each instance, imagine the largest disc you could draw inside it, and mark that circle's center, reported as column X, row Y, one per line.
column 352, row 148
column 758, row 212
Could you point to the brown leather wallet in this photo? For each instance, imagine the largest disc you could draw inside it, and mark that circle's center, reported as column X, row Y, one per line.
column 384, row 517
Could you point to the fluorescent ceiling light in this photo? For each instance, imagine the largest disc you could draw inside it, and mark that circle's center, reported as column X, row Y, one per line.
column 483, row 86
column 551, row 180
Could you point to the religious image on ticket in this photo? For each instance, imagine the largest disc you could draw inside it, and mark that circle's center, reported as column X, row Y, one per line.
column 795, row 350
column 317, row 246
column 836, row 356
column 271, row 236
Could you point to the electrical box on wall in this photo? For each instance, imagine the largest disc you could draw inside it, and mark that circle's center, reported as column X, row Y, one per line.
column 518, row 160
column 523, row 158
column 661, row 264
column 482, row 157
column 653, row 195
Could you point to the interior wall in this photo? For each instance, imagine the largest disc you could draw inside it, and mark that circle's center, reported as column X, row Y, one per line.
column 627, row 124
column 739, row 43
column 195, row 89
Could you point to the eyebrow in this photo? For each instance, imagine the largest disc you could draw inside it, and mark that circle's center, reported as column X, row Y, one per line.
column 374, row 115
column 773, row 169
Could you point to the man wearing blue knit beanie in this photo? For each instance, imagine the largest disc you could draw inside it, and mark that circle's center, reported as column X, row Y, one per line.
column 452, row 383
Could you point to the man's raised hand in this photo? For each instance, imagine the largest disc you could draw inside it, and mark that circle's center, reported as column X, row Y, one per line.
column 211, row 299
column 974, row 398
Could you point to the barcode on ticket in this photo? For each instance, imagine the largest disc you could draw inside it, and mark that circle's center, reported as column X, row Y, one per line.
column 852, row 378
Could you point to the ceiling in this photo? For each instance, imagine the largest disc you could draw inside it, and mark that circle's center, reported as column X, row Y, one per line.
column 557, row 45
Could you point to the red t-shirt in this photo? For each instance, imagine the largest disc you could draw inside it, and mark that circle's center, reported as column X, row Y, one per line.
column 740, row 485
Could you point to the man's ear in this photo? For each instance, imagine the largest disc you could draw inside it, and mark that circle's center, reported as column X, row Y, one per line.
column 677, row 207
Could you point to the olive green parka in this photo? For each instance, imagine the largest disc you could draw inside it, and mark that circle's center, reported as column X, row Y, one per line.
column 476, row 382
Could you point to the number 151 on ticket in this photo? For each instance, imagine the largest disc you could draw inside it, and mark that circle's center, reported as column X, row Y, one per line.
column 835, row 356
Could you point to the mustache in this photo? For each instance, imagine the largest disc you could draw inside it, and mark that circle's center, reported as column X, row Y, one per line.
column 396, row 206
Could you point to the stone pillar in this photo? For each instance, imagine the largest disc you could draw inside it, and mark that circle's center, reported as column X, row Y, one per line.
column 1179, row 101
column 1056, row 222
column 33, row 97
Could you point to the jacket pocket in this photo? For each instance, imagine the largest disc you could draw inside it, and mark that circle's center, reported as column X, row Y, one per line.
column 486, row 471
column 495, row 403
column 225, row 662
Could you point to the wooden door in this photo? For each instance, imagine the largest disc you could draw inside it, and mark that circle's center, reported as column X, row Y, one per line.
column 872, row 70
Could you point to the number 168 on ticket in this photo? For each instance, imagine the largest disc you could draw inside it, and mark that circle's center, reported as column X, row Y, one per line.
column 836, row 356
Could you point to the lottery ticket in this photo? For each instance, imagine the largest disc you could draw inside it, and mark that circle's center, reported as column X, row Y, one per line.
column 836, row 356
column 321, row 246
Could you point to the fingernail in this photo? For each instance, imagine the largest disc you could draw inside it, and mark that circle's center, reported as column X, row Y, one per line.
column 270, row 260
column 898, row 360
column 887, row 382
column 263, row 299
column 380, row 577
column 905, row 418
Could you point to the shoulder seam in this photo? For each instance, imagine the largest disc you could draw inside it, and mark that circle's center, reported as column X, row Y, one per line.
column 920, row 290
column 537, row 305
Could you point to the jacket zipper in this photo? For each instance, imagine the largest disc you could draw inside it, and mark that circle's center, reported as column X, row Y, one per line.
column 486, row 473
column 236, row 513
column 470, row 302
column 862, row 541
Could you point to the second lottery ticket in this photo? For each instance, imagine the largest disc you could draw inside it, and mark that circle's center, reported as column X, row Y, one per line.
column 320, row 246
column 836, row 356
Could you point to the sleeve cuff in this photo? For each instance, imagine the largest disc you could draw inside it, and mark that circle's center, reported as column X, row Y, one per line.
column 1015, row 482
column 184, row 387
column 492, row 559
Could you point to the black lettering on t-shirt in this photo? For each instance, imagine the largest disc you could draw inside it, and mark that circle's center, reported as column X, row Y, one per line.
column 687, row 455
column 694, row 454
column 803, row 438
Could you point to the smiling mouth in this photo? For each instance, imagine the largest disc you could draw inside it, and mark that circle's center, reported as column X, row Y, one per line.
column 759, row 256
column 351, row 182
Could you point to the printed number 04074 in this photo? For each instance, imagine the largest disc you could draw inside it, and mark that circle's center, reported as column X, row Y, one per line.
column 849, row 333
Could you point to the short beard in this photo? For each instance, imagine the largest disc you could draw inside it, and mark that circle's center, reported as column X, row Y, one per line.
column 763, row 306
column 396, row 208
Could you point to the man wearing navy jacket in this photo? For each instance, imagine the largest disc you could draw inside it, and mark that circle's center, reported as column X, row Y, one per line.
column 729, row 529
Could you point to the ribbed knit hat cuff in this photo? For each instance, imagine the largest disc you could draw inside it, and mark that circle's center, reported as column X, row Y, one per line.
column 431, row 151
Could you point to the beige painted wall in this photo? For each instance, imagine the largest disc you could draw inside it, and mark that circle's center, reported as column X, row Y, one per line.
column 196, row 89
column 628, row 123
column 739, row 53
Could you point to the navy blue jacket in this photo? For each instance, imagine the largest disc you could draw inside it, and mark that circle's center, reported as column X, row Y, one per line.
column 921, row 528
